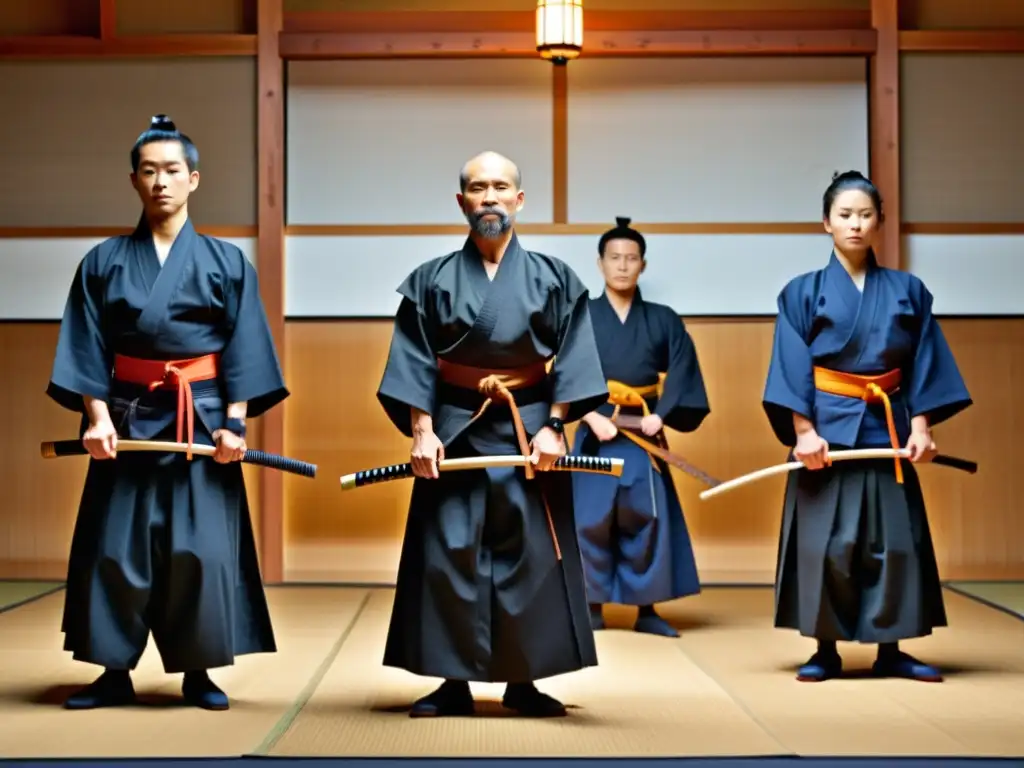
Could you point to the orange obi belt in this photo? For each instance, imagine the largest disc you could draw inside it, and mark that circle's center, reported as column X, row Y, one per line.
column 620, row 395
column 170, row 374
column 871, row 389
column 497, row 385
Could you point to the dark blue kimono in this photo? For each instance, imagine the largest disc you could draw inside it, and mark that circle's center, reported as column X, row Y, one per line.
column 481, row 594
column 856, row 560
column 633, row 535
column 163, row 544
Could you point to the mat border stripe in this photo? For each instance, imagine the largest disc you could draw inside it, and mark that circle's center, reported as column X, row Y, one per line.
column 902, row 761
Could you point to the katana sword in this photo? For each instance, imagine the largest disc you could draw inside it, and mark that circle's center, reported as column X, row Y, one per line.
column 569, row 463
column 59, row 448
column 858, row 453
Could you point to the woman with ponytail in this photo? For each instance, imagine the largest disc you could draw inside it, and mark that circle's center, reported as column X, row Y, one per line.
column 858, row 361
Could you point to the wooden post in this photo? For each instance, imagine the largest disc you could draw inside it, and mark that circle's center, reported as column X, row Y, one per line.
column 270, row 261
column 885, row 125
column 560, row 147
column 108, row 19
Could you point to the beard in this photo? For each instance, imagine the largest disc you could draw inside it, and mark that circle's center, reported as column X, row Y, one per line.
column 490, row 228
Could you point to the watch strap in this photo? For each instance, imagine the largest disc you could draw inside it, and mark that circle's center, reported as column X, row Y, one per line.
column 556, row 425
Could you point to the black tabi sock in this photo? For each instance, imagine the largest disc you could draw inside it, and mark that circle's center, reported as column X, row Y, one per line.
column 888, row 650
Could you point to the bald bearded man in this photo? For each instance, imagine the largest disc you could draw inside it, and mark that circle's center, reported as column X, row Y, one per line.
column 490, row 584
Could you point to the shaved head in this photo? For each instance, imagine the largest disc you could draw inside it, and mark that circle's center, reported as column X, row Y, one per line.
column 489, row 165
column 490, row 194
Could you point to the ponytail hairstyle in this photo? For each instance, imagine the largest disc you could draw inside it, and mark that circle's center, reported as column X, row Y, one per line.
column 622, row 231
column 841, row 182
column 162, row 128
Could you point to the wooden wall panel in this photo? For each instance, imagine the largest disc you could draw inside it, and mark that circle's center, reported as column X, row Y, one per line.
column 40, row 497
column 969, row 170
column 959, row 15
column 142, row 17
column 977, row 520
column 335, row 420
column 49, row 17
column 212, row 99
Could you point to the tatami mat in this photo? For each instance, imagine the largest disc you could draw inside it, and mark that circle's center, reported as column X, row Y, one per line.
column 640, row 702
column 1005, row 594
column 725, row 688
column 14, row 593
column 37, row 675
column 977, row 711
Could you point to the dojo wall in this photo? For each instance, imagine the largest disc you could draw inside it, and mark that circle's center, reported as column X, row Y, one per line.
column 725, row 158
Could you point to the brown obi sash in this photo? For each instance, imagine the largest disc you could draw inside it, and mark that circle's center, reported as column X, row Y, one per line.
column 170, row 375
column 871, row 389
column 498, row 385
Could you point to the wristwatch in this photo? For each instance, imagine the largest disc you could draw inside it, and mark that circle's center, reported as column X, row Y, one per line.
column 235, row 425
column 556, row 425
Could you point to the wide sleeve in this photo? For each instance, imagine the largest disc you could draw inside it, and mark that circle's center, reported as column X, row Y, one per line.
column 250, row 369
column 936, row 388
column 410, row 374
column 683, row 403
column 83, row 360
column 789, row 387
column 577, row 378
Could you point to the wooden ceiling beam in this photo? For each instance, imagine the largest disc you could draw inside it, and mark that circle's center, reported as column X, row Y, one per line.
column 135, row 46
column 714, row 42
column 395, row 22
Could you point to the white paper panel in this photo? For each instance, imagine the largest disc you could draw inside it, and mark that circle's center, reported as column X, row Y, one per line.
column 696, row 274
column 36, row 274
column 970, row 274
column 382, row 142
column 712, row 139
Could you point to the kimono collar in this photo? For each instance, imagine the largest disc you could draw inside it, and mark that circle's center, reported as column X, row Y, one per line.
column 470, row 249
column 834, row 263
column 143, row 232
column 638, row 298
